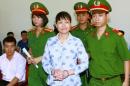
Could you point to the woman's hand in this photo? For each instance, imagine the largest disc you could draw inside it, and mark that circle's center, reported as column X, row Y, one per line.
column 61, row 74
column 65, row 74
column 57, row 74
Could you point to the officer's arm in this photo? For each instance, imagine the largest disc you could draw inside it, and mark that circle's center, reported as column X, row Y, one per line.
column 126, row 71
column 125, row 55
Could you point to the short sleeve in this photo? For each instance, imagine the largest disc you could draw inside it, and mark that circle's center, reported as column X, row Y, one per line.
column 123, row 49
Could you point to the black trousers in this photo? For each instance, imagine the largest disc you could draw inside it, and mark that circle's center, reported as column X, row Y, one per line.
column 3, row 83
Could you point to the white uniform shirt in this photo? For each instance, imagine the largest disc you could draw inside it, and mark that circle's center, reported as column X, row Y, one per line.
column 64, row 56
column 13, row 68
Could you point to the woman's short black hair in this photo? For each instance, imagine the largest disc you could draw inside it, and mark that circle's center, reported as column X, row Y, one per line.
column 44, row 19
column 62, row 15
column 9, row 39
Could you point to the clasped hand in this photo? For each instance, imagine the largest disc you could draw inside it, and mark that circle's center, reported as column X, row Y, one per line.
column 60, row 74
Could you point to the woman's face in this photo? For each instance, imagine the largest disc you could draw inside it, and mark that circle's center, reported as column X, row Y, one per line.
column 63, row 26
column 37, row 20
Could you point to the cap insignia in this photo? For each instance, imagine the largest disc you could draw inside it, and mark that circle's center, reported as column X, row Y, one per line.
column 97, row 2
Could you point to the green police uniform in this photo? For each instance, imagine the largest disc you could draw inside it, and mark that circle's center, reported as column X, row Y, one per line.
column 107, row 53
column 76, row 31
column 37, row 77
column 81, row 7
column 107, row 57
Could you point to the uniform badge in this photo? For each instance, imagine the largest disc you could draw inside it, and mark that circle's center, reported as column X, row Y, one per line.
column 106, row 34
column 97, row 3
column 81, row 6
column 36, row 6
column 119, row 32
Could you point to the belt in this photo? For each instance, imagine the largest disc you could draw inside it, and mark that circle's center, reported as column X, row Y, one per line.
column 106, row 78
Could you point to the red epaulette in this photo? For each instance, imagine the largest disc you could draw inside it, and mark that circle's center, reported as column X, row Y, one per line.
column 48, row 30
column 74, row 27
column 115, row 30
column 31, row 30
column 118, row 32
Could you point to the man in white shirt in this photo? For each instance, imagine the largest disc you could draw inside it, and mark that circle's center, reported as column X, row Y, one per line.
column 12, row 64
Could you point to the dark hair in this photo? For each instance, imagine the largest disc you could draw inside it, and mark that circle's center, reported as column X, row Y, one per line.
column 55, row 29
column 62, row 15
column 44, row 19
column 90, row 16
column 23, row 32
column 10, row 33
column 9, row 39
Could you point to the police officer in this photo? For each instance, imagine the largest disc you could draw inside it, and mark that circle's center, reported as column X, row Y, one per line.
column 37, row 38
column 108, row 50
column 83, row 18
column 81, row 30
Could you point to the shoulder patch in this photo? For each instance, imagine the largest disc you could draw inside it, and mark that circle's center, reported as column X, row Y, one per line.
column 48, row 30
column 31, row 30
column 74, row 27
column 118, row 32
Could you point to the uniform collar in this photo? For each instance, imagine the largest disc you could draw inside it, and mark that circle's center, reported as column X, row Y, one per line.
column 106, row 33
column 88, row 27
column 42, row 32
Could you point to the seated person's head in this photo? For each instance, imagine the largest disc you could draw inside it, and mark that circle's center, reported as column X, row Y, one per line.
column 9, row 44
column 10, row 34
column 24, row 35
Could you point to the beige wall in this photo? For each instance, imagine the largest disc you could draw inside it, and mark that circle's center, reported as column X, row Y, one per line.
column 15, row 14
